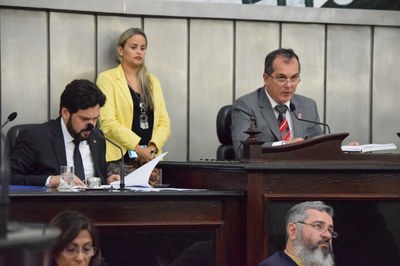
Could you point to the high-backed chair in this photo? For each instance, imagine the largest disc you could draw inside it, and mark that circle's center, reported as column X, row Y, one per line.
column 12, row 135
column 225, row 151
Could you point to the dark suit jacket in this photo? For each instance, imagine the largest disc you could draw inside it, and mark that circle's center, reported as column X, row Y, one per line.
column 257, row 104
column 279, row 258
column 39, row 152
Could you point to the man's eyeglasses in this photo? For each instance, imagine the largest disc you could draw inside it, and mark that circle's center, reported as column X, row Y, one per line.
column 321, row 227
column 283, row 79
column 87, row 251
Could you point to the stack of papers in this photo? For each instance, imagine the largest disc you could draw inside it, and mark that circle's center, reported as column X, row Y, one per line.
column 138, row 180
column 369, row 147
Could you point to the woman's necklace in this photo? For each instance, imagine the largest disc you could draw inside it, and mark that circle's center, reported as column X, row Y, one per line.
column 144, row 124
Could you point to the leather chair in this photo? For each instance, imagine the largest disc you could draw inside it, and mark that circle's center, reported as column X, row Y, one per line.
column 12, row 135
column 225, row 151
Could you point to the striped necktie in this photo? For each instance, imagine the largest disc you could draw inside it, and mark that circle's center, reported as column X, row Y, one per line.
column 282, row 121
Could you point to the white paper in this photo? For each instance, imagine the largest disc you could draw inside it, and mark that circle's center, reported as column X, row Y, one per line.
column 369, row 147
column 149, row 189
column 140, row 177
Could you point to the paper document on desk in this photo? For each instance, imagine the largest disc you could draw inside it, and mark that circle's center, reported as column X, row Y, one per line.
column 369, row 147
column 140, row 177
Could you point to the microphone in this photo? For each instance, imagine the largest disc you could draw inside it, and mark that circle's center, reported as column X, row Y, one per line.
column 91, row 128
column 5, row 182
column 293, row 109
column 10, row 118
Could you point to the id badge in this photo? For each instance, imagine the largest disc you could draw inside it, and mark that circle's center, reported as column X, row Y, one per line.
column 132, row 154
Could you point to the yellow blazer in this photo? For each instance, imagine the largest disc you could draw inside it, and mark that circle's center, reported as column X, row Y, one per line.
column 116, row 116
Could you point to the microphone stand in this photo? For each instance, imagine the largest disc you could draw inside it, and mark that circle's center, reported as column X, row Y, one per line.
column 293, row 109
column 5, row 182
column 122, row 171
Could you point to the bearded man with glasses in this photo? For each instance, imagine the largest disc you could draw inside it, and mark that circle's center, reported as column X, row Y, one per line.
column 273, row 106
column 309, row 234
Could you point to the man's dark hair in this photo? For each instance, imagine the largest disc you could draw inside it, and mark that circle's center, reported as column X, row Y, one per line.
column 81, row 94
column 269, row 59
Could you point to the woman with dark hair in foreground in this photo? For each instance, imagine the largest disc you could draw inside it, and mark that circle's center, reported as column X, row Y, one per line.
column 78, row 243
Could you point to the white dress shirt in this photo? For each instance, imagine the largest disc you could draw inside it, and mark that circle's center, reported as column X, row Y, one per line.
column 84, row 149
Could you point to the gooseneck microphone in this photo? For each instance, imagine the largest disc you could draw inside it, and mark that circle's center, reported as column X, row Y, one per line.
column 5, row 181
column 293, row 109
column 10, row 118
column 91, row 128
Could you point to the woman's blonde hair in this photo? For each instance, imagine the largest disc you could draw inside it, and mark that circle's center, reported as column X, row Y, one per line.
column 143, row 75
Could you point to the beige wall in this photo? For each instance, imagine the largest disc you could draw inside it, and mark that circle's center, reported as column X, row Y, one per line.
column 205, row 56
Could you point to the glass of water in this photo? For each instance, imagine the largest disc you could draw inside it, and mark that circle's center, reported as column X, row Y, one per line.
column 67, row 177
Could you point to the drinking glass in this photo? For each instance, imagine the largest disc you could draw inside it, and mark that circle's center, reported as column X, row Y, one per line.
column 67, row 177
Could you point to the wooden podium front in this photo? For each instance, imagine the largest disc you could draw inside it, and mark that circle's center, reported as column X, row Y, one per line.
column 321, row 148
column 364, row 190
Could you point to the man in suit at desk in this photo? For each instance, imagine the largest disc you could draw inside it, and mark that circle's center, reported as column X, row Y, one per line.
column 40, row 150
column 309, row 233
column 273, row 104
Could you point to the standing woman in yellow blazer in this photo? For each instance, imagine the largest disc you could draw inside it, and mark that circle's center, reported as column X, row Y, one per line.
column 134, row 115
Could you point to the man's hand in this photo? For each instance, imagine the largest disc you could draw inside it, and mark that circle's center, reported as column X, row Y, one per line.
column 78, row 182
column 354, row 143
column 290, row 141
column 113, row 178
column 55, row 181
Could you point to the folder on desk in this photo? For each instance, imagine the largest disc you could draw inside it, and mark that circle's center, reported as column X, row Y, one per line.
column 140, row 177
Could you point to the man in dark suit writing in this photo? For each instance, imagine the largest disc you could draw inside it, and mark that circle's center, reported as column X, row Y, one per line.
column 40, row 150
column 309, row 233
column 272, row 105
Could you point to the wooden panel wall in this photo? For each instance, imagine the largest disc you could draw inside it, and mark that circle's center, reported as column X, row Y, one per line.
column 205, row 59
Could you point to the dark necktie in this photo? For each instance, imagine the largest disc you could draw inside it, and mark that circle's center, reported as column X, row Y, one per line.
column 282, row 122
column 78, row 165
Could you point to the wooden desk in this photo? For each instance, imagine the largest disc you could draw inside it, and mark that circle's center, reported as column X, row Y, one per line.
column 244, row 214
column 137, row 227
column 365, row 195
